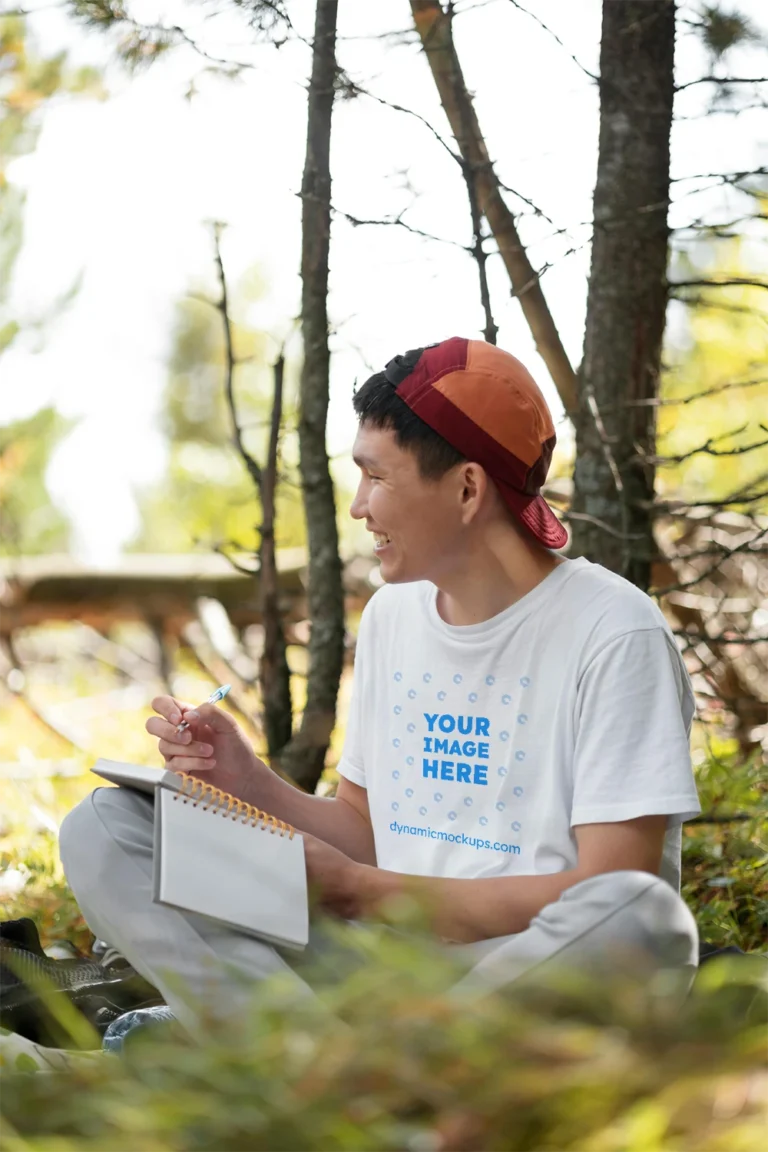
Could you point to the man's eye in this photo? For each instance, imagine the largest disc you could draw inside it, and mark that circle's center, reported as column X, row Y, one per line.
column 373, row 477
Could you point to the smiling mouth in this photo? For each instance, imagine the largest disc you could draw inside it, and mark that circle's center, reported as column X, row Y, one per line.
column 380, row 541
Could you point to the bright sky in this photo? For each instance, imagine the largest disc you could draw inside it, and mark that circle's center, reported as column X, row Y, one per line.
column 118, row 193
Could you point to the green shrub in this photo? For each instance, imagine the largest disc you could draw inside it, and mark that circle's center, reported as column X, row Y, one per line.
column 397, row 1063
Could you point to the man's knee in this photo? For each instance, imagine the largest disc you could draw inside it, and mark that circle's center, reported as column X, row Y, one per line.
column 89, row 834
column 642, row 910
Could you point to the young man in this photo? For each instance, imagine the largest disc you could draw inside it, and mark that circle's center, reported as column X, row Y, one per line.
column 517, row 746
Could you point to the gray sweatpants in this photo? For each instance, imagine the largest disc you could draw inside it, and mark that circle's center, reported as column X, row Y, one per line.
column 106, row 847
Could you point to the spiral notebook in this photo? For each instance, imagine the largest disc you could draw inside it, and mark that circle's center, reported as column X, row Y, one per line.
column 217, row 856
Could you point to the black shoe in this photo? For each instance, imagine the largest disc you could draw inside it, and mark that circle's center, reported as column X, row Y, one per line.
column 31, row 984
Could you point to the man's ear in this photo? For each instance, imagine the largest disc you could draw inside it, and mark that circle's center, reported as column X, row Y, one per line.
column 474, row 486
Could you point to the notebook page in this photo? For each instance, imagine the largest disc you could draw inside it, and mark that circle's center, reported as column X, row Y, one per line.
column 250, row 878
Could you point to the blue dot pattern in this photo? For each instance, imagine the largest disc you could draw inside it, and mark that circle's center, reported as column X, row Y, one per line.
column 504, row 736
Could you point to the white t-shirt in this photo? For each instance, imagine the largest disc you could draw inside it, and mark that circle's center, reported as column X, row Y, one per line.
column 482, row 747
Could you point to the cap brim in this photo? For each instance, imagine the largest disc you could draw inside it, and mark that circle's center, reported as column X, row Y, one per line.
column 536, row 515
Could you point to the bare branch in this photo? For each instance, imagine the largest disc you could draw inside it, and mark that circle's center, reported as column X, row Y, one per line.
column 721, row 177
column 744, row 547
column 680, row 507
column 722, row 81
column 223, row 307
column 398, row 222
column 721, row 282
column 657, row 402
column 708, row 449
column 602, row 525
column 358, row 91
column 556, row 38
column 219, row 549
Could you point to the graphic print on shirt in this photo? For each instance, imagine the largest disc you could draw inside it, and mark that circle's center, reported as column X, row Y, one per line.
column 457, row 772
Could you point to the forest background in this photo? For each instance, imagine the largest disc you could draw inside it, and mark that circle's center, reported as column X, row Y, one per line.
column 162, row 275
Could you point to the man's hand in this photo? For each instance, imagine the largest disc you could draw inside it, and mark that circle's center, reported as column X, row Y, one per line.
column 213, row 748
column 334, row 880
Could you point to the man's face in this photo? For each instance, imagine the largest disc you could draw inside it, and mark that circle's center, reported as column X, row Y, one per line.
column 416, row 523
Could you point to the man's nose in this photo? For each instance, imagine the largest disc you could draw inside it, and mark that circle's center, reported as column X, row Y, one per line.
column 357, row 508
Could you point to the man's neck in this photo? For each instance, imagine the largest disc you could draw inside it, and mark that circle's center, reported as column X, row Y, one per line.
column 493, row 580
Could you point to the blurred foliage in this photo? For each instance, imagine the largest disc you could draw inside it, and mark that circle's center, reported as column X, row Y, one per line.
column 722, row 29
column 30, row 522
column 28, row 82
column 396, row 1062
column 725, row 863
column 718, row 371
column 207, row 497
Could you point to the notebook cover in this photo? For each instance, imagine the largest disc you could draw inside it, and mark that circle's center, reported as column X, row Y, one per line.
column 142, row 777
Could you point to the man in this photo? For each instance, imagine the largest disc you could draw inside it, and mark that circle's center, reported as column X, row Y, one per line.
column 516, row 755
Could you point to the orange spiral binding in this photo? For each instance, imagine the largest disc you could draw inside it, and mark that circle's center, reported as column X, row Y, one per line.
column 229, row 805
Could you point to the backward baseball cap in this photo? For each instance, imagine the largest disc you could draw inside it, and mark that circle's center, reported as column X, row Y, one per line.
column 486, row 404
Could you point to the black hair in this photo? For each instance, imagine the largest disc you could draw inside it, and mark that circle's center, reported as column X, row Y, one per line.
column 378, row 406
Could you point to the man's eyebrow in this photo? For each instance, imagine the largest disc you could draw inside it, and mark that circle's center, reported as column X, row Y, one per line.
column 365, row 461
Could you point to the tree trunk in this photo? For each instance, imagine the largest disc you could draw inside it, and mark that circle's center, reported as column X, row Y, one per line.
column 434, row 28
column 626, row 305
column 274, row 673
column 304, row 757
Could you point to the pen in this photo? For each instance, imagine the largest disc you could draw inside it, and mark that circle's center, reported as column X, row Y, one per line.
column 214, row 698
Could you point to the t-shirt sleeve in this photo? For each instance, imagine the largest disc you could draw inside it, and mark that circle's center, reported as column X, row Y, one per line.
column 352, row 763
column 633, row 716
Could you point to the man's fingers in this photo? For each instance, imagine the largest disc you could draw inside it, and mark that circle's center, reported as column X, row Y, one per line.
column 156, row 726
column 190, row 766
column 170, row 708
column 170, row 749
column 213, row 717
